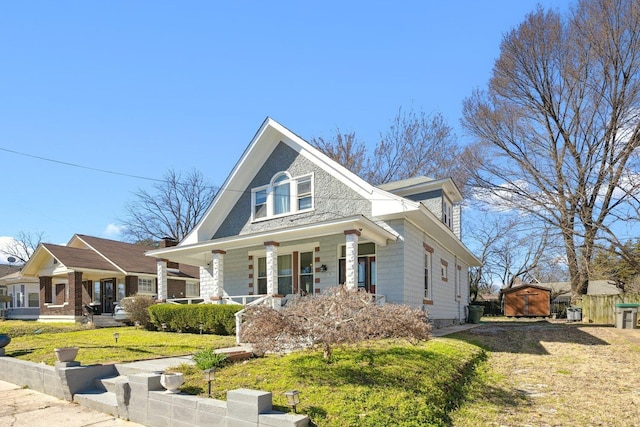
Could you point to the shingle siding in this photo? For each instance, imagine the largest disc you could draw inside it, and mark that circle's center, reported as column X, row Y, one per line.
column 332, row 198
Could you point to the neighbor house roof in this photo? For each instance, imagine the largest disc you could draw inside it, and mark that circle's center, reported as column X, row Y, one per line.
column 518, row 288
column 94, row 253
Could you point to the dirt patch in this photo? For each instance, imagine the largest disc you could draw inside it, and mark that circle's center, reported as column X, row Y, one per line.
column 557, row 374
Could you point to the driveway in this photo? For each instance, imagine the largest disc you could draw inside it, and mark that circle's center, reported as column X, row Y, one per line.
column 21, row 407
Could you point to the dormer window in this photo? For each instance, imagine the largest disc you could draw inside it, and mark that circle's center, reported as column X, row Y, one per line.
column 283, row 196
column 447, row 210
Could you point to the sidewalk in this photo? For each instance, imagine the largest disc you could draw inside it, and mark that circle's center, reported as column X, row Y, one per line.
column 20, row 407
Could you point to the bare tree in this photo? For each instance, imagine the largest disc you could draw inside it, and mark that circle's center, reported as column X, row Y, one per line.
column 346, row 150
column 415, row 144
column 512, row 249
column 22, row 246
column 173, row 209
column 336, row 317
column 560, row 123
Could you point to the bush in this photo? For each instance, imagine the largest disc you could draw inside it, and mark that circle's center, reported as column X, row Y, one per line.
column 208, row 358
column 216, row 319
column 338, row 316
column 137, row 307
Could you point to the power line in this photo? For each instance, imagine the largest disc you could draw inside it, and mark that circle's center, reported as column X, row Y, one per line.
column 75, row 165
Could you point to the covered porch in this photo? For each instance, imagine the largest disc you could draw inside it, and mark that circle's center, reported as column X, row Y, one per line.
column 299, row 260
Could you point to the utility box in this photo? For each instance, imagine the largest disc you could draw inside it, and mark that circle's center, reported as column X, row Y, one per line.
column 627, row 316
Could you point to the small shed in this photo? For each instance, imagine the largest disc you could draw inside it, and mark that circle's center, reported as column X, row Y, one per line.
column 527, row 300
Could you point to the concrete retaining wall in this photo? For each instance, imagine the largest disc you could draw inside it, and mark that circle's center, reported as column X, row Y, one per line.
column 142, row 399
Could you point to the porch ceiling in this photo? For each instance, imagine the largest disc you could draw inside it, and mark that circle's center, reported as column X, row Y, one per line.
column 200, row 254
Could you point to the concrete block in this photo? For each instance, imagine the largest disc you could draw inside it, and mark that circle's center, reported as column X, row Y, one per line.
column 243, row 411
column 212, row 406
column 211, row 418
column 158, row 421
column 183, row 414
column 150, row 380
column 162, row 396
column 159, row 407
column 245, row 404
column 279, row 419
column 186, row 400
column 138, row 416
column 233, row 422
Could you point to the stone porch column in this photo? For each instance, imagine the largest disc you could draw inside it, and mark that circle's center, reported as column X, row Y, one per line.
column 162, row 279
column 217, row 265
column 351, row 261
column 272, row 267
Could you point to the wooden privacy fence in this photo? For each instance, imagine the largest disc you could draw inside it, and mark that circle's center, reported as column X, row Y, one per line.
column 601, row 308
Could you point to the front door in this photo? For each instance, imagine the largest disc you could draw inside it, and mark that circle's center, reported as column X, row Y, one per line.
column 108, row 295
column 366, row 273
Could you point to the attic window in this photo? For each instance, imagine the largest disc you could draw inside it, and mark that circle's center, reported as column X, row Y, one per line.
column 283, row 196
column 55, row 260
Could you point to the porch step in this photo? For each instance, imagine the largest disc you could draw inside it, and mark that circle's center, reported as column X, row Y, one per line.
column 105, row 321
column 236, row 353
column 108, row 384
column 103, row 401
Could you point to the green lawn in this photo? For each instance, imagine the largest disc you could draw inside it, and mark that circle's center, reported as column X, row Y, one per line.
column 374, row 384
column 35, row 342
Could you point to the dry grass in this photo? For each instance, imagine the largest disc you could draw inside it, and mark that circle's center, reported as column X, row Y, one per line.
column 555, row 374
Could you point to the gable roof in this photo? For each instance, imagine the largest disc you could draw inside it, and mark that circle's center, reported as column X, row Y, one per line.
column 521, row 287
column 93, row 253
column 268, row 136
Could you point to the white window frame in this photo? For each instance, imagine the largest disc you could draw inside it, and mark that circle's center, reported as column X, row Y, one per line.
column 37, row 300
column 282, row 250
column 447, row 212
column 294, row 199
column 192, row 289
column 146, row 281
column 428, row 274
column 444, row 270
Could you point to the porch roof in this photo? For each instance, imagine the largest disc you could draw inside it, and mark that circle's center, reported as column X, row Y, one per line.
column 201, row 253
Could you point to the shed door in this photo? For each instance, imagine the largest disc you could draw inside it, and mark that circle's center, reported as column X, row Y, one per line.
column 525, row 305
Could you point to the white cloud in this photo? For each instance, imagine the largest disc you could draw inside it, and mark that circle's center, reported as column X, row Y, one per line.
column 113, row 230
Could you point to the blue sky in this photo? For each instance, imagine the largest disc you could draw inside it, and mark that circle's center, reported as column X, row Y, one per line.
column 141, row 87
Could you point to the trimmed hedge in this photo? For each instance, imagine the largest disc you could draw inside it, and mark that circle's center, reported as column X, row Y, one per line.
column 216, row 319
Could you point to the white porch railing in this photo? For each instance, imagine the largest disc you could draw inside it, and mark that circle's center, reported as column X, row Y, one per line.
column 241, row 299
column 193, row 300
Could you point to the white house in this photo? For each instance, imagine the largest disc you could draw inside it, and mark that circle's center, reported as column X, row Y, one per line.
column 19, row 296
column 289, row 220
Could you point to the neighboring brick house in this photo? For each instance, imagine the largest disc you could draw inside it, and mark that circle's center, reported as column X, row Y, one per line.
column 96, row 272
column 289, row 220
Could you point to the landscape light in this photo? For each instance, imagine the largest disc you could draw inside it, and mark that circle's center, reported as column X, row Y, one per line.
column 293, row 398
column 116, row 336
column 209, row 375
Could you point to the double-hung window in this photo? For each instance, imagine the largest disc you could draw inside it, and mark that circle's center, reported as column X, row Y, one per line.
column 284, row 195
column 146, row 286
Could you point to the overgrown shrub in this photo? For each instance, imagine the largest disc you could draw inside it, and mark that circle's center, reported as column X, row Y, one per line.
column 216, row 319
column 137, row 307
column 336, row 317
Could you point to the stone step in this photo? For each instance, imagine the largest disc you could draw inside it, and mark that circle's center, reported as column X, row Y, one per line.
column 103, row 401
column 108, row 384
column 105, row 321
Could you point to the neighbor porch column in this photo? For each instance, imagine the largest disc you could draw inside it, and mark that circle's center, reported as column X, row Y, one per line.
column 272, row 267
column 351, row 261
column 162, row 279
column 218, row 274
